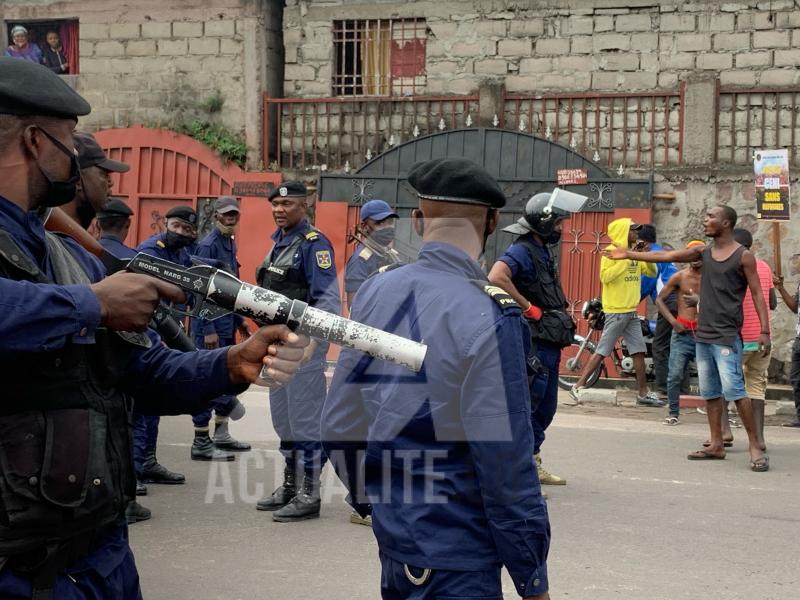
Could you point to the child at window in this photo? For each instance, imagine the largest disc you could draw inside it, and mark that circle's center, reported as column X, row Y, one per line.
column 53, row 55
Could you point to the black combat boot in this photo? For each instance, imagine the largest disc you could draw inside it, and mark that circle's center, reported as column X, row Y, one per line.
column 223, row 439
column 203, row 448
column 305, row 505
column 141, row 489
column 135, row 512
column 283, row 495
column 155, row 472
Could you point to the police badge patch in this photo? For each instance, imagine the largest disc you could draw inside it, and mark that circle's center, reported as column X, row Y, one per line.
column 324, row 259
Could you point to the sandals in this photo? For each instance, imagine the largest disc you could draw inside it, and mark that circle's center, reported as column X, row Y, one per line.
column 725, row 443
column 671, row 421
column 705, row 455
column 760, row 465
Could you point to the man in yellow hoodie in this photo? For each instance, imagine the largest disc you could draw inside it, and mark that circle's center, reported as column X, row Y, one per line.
column 621, row 295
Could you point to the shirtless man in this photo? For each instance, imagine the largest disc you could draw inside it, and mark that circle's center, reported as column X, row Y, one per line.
column 686, row 284
column 728, row 270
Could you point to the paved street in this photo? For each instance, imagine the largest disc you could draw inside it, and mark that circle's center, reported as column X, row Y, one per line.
column 637, row 520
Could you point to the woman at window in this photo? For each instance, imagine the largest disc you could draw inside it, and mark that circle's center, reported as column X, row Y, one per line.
column 53, row 55
column 21, row 48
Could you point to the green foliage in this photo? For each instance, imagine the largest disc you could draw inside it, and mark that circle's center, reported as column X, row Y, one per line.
column 212, row 104
column 228, row 145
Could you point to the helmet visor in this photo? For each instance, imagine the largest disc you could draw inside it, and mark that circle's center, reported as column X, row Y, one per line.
column 569, row 202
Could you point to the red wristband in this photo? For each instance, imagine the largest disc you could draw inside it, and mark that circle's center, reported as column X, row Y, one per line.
column 532, row 312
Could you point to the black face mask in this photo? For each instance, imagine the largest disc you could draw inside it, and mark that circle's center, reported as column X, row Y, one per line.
column 384, row 236
column 554, row 237
column 61, row 192
column 176, row 240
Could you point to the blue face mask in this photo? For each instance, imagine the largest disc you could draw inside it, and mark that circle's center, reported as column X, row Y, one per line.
column 61, row 192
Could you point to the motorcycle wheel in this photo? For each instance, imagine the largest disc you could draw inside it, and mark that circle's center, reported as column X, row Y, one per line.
column 571, row 369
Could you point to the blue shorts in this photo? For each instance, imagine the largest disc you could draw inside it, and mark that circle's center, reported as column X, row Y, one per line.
column 719, row 371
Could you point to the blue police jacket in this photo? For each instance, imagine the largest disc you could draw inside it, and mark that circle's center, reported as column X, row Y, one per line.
column 220, row 249
column 651, row 286
column 42, row 317
column 518, row 259
column 360, row 266
column 315, row 260
column 445, row 455
column 115, row 246
column 155, row 245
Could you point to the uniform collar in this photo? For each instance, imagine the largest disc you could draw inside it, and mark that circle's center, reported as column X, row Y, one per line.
column 25, row 227
column 108, row 236
column 302, row 227
column 446, row 257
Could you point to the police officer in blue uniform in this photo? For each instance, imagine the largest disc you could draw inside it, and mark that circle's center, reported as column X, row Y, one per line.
column 73, row 346
column 219, row 249
column 377, row 222
column 95, row 183
column 300, row 265
column 445, row 456
column 529, row 273
column 173, row 245
column 114, row 222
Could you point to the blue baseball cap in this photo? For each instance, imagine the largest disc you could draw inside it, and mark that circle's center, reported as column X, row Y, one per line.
column 377, row 210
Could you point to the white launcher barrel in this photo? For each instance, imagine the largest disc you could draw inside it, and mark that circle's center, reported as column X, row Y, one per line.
column 266, row 307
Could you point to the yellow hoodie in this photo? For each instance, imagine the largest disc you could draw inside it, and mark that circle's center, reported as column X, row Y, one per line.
column 621, row 278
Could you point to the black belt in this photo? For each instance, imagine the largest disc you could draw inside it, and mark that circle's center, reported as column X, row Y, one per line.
column 43, row 564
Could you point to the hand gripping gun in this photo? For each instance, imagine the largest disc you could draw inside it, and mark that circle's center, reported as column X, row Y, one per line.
column 215, row 289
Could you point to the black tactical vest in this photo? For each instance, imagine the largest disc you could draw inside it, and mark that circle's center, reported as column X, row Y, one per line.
column 66, row 466
column 280, row 275
column 556, row 326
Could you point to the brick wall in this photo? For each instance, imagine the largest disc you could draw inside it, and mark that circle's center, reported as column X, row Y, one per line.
column 566, row 45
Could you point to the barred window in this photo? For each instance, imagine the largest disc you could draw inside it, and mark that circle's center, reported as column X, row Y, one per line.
column 379, row 57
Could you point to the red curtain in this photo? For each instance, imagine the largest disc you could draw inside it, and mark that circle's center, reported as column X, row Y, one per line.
column 71, row 44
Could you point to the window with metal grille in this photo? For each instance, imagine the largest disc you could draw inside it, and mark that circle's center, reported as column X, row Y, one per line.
column 379, row 57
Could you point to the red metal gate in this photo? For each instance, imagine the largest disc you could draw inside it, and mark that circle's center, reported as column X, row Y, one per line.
column 168, row 169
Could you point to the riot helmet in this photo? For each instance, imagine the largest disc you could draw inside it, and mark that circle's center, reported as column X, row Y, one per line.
column 544, row 210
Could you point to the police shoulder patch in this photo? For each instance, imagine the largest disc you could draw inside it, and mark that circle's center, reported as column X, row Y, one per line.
column 498, row 294
column 365, row 253
column 324, row 260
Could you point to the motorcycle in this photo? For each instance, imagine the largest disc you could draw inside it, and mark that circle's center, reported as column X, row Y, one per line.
column 583, row 348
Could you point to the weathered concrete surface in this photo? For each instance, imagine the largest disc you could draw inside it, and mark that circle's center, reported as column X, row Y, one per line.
column 636, row 520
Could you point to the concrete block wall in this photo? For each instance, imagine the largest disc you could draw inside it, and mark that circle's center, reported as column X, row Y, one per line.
column 563, row 45
column 144, row 62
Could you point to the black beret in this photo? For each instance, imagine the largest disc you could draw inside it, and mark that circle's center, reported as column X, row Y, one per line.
column 185, row 213
column 90, row 154
column 114, row 208
column 456, row 180
column 28, row 89
column 289, row 188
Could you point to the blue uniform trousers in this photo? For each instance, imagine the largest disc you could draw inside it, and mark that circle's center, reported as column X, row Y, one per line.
column 222, row 405
column 145, row 437
column 296, row 410
column 108, row 572
column 139, row 442
column 544, row 392
column 440, row 585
